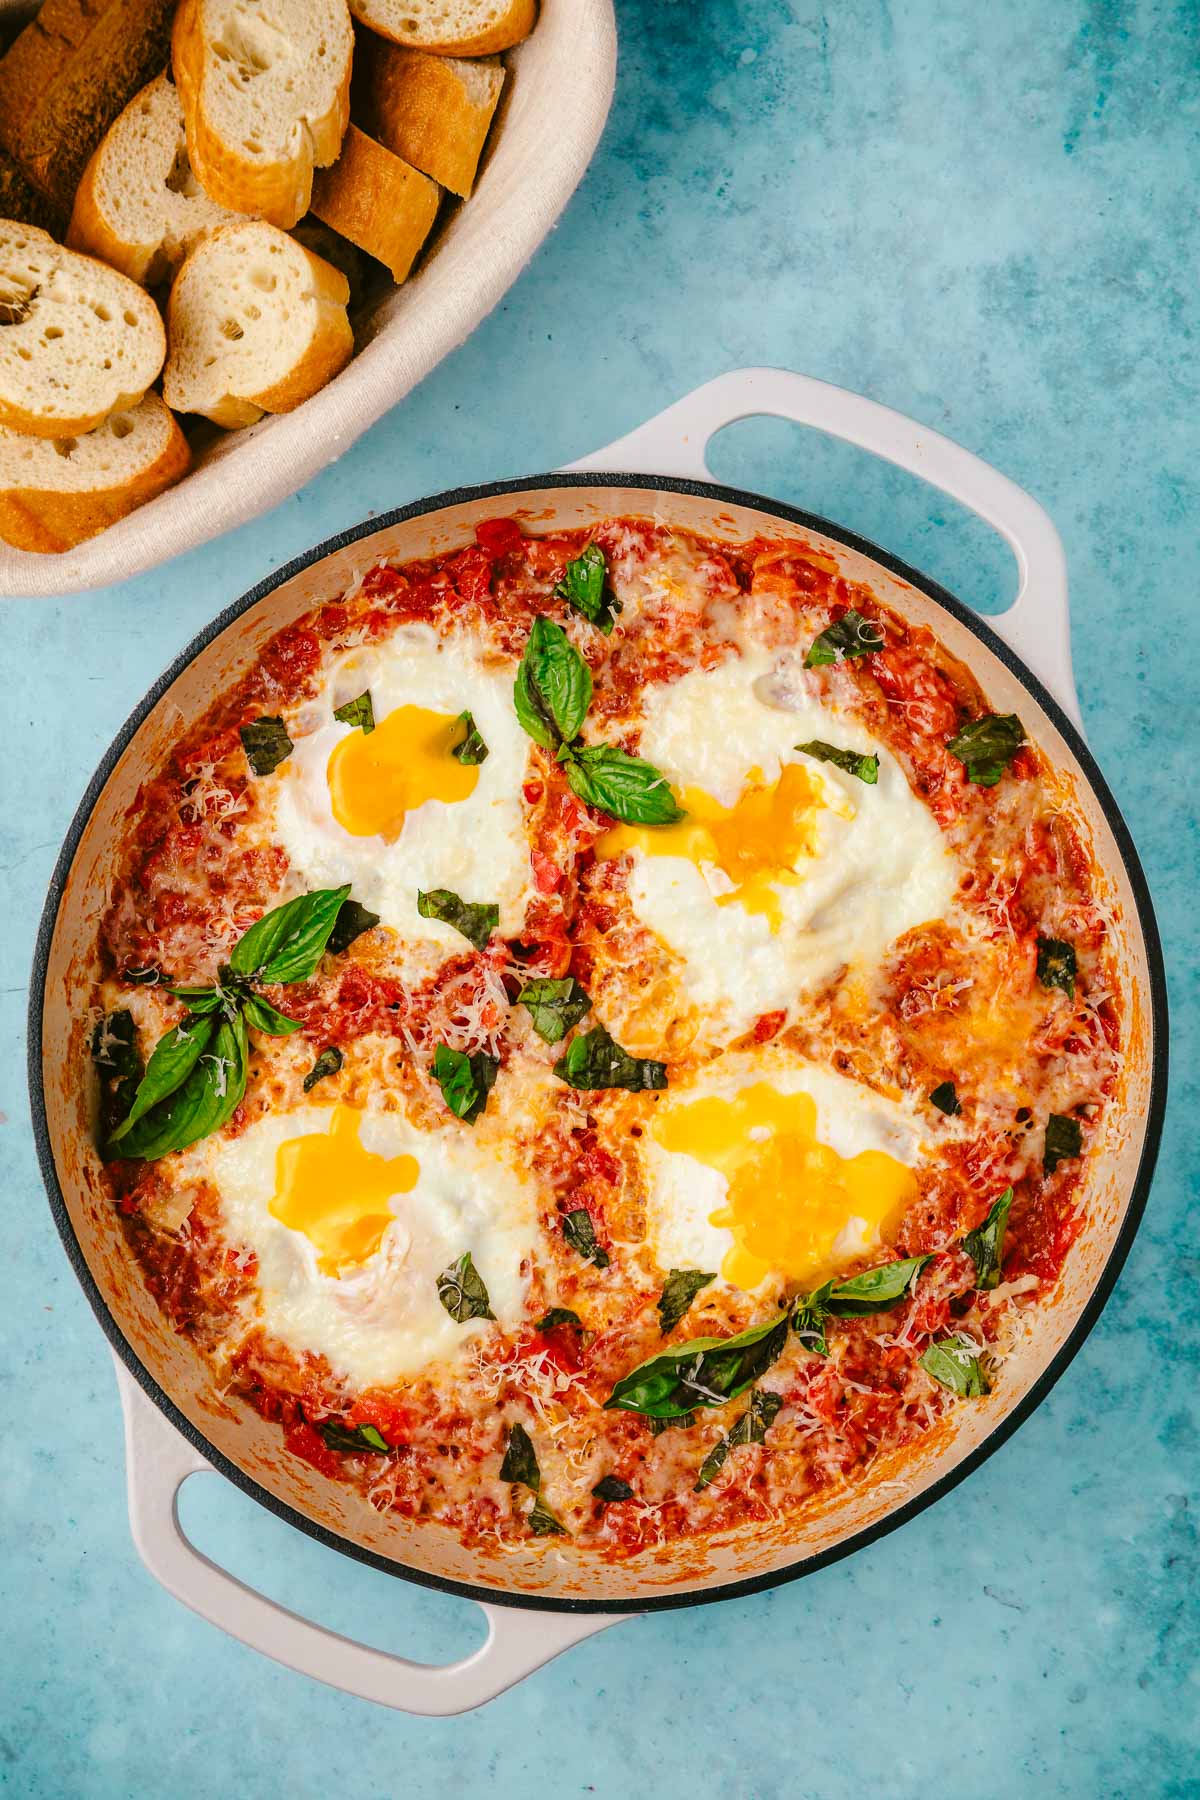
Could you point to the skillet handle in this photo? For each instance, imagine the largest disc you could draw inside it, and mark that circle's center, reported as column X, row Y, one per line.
column 1036, row 625
column 158, row 1462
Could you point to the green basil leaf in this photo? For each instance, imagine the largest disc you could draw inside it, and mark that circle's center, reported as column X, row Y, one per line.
column 265, row 1017
column 554, row 1006
column 358, row 711
column 542, row 1522
column 208, row 1097
column 350, row 923
column 475, row 919
column 199, row 1000
column 465, row 1081
column 174, row 1057
column 679, row 1423
column 985, row 1245
column 612, row 1490
column 700, row 1372
column 471, row 748
column 520, row 1460
column 751, row 1428
column 553, row 689
column 986, row 746
column 288, row 942
column 150, row 976
column 852, row 761
column 462, row 1293
column 851, row 635
column 328, row 1063
column 945, row 1098
column 558, row 1315
column 1056, row 965
column 679, row 1290
column 875, row 1290
column 353, row 1440
column 580, row 1233
column 1064, row 1139
column 595, row 1061
column 585, row 588
column 266, row 744
column 621, row 785
column 954, row 1364
column 115, row 1055
column 809, row 1313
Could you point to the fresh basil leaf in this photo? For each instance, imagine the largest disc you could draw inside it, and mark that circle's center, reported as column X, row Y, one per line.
column 700, row 1372
column 558, row 1315
column 542, row 1522
column 265, row 1017
column 207, row 1098
column 465, row 1081
column 353, row 1440
column 585, row 587
column 150, row 976
column 115, row 1055
column 985, row 1245
column 679, row 1423
column 875, row 1290
column 554, row 1006
column 751, row 1428
column 475, row 919
column 266, row 744
column 954, row 1364
column 350, row 923
column 945, row 1098
column 328, row 1063
column 206, row 999
column 174, row 1057
column 580, row 1233
column 852, row 761
column 809, row 1313
column 1056, row 965
column 288, row 942
column 520, row 1460
column 594, row 1061
column 1064, row 1139
column 622, row 785
column 679, row 1290
column 851, row 635
column 462, row 1293
column 612, row 1490
column 553, row 689
column 471, row 748
column 358, row 711
column 986, row 746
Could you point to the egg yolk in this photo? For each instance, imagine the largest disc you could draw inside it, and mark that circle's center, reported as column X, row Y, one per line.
column 755, row 843
column 336, row 1192
column 377, row 777
column 789, row 1196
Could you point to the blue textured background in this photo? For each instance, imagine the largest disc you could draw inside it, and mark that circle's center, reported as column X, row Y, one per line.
column 985, row 216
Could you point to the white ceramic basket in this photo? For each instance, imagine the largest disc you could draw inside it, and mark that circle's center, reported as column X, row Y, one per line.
column 559, row 92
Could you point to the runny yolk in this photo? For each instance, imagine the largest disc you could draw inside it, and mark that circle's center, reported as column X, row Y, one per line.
column 755, row 843
column 789, row 1196
column 336, row 1192
column 377, row 777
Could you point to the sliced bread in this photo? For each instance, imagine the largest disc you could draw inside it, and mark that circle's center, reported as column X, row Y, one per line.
column 77, row 340
column 266, row 98
column 378, row 201
column 21, row 201
column 256, row 323
column 55, row 492
column 434, row 111
column 67, row 76
column 139, row 206
column 449, row 27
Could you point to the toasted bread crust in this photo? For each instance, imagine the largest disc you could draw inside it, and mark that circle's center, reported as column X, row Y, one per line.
column 49, row 520
column 512, row 28
column 421, row 108
column 378, row 201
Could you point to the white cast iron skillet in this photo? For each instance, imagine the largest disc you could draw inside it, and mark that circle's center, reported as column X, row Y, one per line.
column 541, row 1599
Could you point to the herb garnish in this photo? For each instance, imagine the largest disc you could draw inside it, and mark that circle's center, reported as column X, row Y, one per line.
column 945, row 1098
column 612, row 1490
column 851, row 635
column 465, row 1080
column 115, row 1055
column 751, row 1428
column 875, row 1290
column 350, row 923
column 852, row 761
column 1057, row 965
column 702, row 1371
column 554, row 1006
column 580, row 1233
column 558, row 1315
column 985, row 1245
column 462, row 1292
column 954, row 1364
column 679, row 1290
column 1064, row 1139
column 266, row 744
column 358, row 711
column 520, row 1460
column 470, row 748
column 986, row 746
column 328, row 1063
column 585, row 587
column 542, row 1522
column 353, row 1440
column 594, row 1060
column 476, row 919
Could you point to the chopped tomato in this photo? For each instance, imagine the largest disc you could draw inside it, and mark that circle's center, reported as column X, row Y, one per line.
column 499, row 536
column 391, row 1421
column 305, row 1442
column 547, row 876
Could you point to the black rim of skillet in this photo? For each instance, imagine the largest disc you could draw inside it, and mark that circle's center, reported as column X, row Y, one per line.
column 1025, row 1406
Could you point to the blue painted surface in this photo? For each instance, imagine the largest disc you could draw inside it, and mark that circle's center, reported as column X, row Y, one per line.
column 985, row 217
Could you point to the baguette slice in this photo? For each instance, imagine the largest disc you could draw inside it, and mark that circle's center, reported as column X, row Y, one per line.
column 378, row 201
column 22, row 201
column 449, row 27
column 77, row 342
column 139, row 207
column 55, row 492
column 434, row 111
column 256, row 324
column 266, row 98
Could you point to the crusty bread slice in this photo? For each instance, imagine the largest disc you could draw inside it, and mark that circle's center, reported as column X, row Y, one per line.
column 67, row 76
column 378, row 201
column 266, row 98
column 139, row 206
column 449, row 27
column 21, row 200
column 55, row 492
column 434, row 111
column 77, row 340
column 256, row 323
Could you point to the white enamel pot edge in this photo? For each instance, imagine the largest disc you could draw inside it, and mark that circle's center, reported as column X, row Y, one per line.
column 160, row 1458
